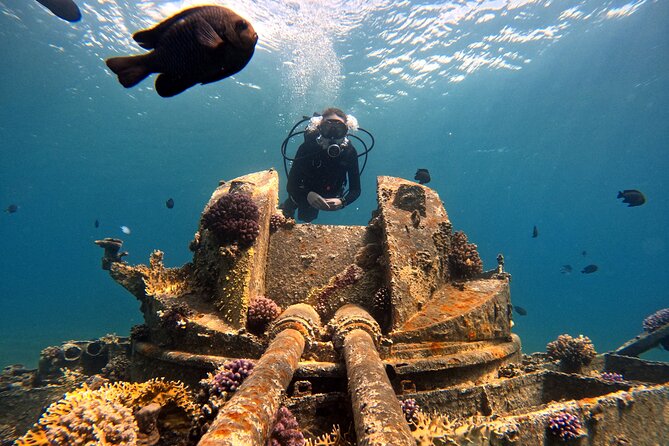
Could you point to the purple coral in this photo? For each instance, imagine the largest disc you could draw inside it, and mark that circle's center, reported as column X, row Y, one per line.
column 464, row 260
column 230, row 376
column 286, row 431
column 611, row 376
column 573, row 352
column 276, row 221
column 233, row 218
column 409, row 408
column 566, row 426
column 656, row 320
column 261, row 312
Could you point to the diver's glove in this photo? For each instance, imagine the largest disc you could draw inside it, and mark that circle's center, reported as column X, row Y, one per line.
column 318, row 202
column 334, row 204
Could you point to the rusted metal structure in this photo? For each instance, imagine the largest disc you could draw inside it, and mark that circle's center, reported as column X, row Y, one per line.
column 407, row 313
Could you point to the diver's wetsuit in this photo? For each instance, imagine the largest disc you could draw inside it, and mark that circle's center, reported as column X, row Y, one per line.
column 314, row 170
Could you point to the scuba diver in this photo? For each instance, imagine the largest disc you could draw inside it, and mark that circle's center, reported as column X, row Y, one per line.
column 323, row 165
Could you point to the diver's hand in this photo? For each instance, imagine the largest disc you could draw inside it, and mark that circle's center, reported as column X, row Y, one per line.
column 334, row 204
column 317, row 201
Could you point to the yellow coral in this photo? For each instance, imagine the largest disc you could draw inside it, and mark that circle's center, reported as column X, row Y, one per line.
column 104, row 416
column 161, row 281
column 435, row 429
column 334, row 438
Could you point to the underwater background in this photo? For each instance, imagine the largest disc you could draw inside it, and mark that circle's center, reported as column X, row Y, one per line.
column 526, row 113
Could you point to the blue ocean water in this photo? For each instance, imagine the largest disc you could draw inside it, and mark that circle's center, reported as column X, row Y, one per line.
column 525, row 112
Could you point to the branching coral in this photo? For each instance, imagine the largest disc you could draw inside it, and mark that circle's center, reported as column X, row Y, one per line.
column 161, row 281
column 233, row 218
column 464, row 260
column 656, row 321
column 325, row 297
column 572, row 352
column 229, row 377
column 83, row 418
column 286, row 430
column 565, row 426
column 410, row 408
column 261, row 312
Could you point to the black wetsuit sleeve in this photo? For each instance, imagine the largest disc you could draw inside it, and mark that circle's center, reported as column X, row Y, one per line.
column 353, row 172
column 297, row 175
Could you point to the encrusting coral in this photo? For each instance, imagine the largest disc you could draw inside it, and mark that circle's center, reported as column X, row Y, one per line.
column 233, row 218
column 326, row 303
column 105, row 415
column 572, row 352
column 161, row 281
column 261, row 312
column 463, row 260
column 175, row 316
column 286, row 430
column 656, row 321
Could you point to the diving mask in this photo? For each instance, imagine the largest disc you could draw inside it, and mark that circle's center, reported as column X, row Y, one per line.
column 333, row 128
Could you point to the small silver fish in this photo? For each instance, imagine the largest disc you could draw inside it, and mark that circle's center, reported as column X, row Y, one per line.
column 125, row 230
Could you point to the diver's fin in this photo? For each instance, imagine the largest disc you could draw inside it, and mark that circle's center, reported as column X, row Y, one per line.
column 130, row 70
column 207, row 36
column 168, row 86
column 147, row 38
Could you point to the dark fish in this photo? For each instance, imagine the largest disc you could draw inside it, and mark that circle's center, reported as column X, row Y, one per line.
column 566, row 269
column 11, row 208
column 589, row 269
column 203, row 44
column 96, row 224
column 535, row 232
column 632, row 197
column 520, row 310
column 422, row 176
column 584, row 253
column 169, row 203
column 65, row 9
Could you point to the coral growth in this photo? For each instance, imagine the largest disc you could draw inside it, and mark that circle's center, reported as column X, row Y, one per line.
column 464, row 260
column 611, row 376
column 381, row 302
column 105, row 415
column 572, row 352
column 233, row 219
column 117, row 369
column 566, row 426
column 175, row 316
column 286, row 430
column 656, row 320
column 140, row 332
column 409, row 407
column 161, row 281
column 278, row 221
column 334, row 438
column 325, row 297
column 261, row 312
column 229, row 377
column 83, row 419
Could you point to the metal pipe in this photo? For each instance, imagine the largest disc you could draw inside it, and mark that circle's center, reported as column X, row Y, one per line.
column 377, row 413
column 247, row 418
